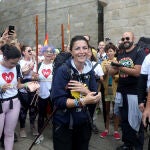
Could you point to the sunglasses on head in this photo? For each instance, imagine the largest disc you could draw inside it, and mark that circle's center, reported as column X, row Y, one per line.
column 126, row 38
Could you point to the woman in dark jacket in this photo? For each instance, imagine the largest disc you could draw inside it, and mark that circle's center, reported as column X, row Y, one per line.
column 74, row 88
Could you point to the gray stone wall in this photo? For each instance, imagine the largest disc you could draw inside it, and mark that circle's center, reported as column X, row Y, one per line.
column 126, row 15
column 83, row 19
column 119, row 16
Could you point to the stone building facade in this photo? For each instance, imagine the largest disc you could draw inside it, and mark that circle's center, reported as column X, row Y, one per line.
column 97, row 18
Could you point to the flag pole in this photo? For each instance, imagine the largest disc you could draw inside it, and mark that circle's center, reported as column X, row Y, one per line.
column 68, row 27
column 36, row 43
column 46, row 34
column 62, row 37
column 45, row 18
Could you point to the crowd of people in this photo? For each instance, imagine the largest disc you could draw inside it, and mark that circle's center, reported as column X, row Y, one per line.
column 116, row 76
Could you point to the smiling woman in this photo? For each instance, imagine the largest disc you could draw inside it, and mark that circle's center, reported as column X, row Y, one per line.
column 27, row 65
column 73, row 87
column 44, row 75
column 79, row 53
column 9, row 102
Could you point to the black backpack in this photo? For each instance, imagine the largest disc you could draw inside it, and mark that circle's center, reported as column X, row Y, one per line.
column 144, row 44
column 60, row 60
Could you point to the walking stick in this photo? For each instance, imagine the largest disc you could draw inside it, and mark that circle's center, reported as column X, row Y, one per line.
column 68, row 30
column 103, row 103
column 45, row 125
column 35, row 99
column 62, row 37
column 36, row 44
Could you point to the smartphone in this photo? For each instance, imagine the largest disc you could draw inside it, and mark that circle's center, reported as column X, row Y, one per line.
column 95, row 93
column 11, row 29
column 116, row 64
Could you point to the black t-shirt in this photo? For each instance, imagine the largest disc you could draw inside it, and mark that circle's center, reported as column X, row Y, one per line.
column 128, row 83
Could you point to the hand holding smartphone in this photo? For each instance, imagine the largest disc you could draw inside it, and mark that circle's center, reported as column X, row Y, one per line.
column 95, row 94
column 11, row 29
column 116, row 64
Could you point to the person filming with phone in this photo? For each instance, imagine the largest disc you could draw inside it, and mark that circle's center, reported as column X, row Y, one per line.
column 126, row 101
column 9, row 36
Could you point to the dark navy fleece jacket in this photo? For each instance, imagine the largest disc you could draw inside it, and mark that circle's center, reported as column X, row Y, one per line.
column 60, row 93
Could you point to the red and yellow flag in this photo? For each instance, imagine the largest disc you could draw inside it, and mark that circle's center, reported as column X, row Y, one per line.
column 46, row 40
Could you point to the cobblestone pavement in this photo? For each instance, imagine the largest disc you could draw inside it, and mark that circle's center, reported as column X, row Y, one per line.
column 96, row 143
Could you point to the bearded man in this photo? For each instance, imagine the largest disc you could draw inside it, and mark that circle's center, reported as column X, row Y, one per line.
column 126, row 102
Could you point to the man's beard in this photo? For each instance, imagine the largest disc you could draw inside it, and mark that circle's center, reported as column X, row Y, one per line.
column 127, row 45
column 121, row 46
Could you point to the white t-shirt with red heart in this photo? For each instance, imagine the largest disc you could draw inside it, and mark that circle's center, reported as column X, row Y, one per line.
column 8, row 76
column 23, row 63
column 45, row 79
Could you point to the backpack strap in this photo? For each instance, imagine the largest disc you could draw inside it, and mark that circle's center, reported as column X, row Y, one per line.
column 19, row 75
column 39, row 65
column 95, row 66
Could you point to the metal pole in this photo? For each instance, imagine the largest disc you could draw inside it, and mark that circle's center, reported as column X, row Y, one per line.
column 45, row 17
column 62, row 37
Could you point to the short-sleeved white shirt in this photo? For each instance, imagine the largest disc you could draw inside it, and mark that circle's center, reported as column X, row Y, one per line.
column 1, row 57
column 8, row 76
column 45, row 79
column 145, row 69
column 98, row 69
column 24, row 63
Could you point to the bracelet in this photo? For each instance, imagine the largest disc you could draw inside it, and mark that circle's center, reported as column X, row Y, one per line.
column 82, row 100
column 26, row 85
column 76, row 102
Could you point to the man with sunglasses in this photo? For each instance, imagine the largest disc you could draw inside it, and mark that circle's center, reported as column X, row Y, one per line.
column 126, row 102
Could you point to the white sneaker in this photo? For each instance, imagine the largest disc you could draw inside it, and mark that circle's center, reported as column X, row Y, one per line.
column 23, row 133
column 40, row 139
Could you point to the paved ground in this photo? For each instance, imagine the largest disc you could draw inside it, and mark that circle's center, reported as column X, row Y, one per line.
column 96, row 143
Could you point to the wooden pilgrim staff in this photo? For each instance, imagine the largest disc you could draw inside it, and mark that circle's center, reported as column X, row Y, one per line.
column 36, row 43
column 62, row 37
column 35, row 98
column 68, row 30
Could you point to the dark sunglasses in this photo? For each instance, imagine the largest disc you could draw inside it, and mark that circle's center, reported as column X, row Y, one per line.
column 30, row 50
column 126, row 38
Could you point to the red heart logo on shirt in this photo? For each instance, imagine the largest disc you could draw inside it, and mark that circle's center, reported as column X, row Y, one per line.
column 46, row 72
column 8, row 77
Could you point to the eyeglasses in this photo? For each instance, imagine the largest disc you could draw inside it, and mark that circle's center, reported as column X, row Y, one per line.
column 49, row 51
column 126, row 38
